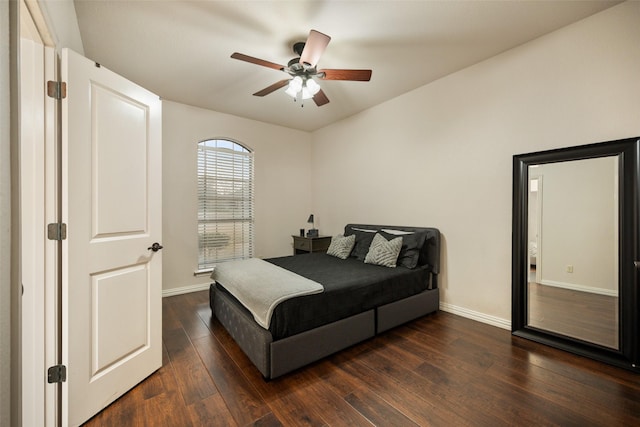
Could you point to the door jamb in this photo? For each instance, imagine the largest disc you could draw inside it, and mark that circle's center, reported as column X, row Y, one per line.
column 47, row 333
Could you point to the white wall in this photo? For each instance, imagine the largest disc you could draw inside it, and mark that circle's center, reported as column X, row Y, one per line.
column 441, row 155
column 579, row 225
column 282, row 166
column 62, row 22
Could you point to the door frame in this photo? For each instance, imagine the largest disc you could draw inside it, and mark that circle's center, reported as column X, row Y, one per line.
column 47, row 330
column 38, row 400
column 539, row 200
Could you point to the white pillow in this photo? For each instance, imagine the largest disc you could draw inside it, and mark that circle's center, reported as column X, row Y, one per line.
column 366, row 230
column 396, row 232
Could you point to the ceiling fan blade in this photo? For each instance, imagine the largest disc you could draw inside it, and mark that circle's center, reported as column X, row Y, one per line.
column 353, row 75
column 247, row 58
column 314, row 47
column 272, row 88
column 320, row 98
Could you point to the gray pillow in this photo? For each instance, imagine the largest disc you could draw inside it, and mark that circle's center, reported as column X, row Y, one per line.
column 363, row 241
column 411, row 246
column 341, row 246
column 384, row 252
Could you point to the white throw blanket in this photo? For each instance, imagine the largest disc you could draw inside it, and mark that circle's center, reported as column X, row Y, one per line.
column 260, row 286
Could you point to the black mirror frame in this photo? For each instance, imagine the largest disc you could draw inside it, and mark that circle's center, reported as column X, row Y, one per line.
column 628, row 151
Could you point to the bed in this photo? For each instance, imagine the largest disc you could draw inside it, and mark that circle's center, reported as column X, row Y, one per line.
column 358, row 300
column 533, row 253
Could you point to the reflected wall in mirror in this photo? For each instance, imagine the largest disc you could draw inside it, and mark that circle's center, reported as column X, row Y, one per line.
column 573, row 249
column 575, row 241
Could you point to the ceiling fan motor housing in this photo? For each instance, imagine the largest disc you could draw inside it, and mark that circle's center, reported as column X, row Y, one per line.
column 294, row 63
column 298, row 48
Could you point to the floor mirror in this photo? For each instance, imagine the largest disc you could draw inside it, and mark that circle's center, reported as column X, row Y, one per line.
column 576, row 255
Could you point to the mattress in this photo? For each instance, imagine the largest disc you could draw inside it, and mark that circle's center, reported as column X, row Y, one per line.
column 350, row 287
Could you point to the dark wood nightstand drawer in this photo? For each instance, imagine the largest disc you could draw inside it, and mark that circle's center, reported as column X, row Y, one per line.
column 302, row 245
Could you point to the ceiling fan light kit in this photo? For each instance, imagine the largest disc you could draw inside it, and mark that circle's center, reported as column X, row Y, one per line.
column 303, row 70
column 306, row 88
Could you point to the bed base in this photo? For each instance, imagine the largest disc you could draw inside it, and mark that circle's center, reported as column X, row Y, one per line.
column 276, row 358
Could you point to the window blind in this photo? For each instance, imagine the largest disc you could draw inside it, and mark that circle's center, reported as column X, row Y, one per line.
column 225, row 202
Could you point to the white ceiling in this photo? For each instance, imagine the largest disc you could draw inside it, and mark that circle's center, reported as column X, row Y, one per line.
column 181, row 49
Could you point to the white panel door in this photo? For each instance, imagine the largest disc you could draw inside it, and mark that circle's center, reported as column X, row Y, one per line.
column 111, row 203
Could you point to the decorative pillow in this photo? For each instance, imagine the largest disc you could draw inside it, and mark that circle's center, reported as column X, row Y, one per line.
column 341, row 246
column 363, row 241
column 411, row 246
column 384, row 252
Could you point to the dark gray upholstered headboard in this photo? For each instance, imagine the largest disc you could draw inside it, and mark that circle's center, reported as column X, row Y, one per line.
column 430, row 254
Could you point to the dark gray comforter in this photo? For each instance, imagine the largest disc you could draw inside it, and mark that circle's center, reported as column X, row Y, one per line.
column 350, row 287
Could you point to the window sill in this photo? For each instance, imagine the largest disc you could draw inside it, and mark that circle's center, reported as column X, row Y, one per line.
column 206, row 271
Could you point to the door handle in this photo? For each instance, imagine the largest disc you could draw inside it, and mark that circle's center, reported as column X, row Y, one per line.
column 155, row 247
column 637, row 264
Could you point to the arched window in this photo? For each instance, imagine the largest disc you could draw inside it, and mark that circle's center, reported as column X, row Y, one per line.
column 225, row 202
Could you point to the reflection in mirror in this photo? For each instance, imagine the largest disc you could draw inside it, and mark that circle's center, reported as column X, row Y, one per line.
column 572, row 238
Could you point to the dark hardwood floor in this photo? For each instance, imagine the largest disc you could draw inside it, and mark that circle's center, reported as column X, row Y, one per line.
column 441, row 369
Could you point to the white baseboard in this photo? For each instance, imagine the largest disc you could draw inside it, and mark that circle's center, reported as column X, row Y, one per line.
column 581, row 288
column 184, row 290
column 475, row 315
column 449, row 308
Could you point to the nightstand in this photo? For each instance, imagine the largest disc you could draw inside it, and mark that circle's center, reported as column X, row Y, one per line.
column 304, row 245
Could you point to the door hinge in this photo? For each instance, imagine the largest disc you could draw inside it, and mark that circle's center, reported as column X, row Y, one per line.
column 57, row 374
column 57, row 231
column 57, row 90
